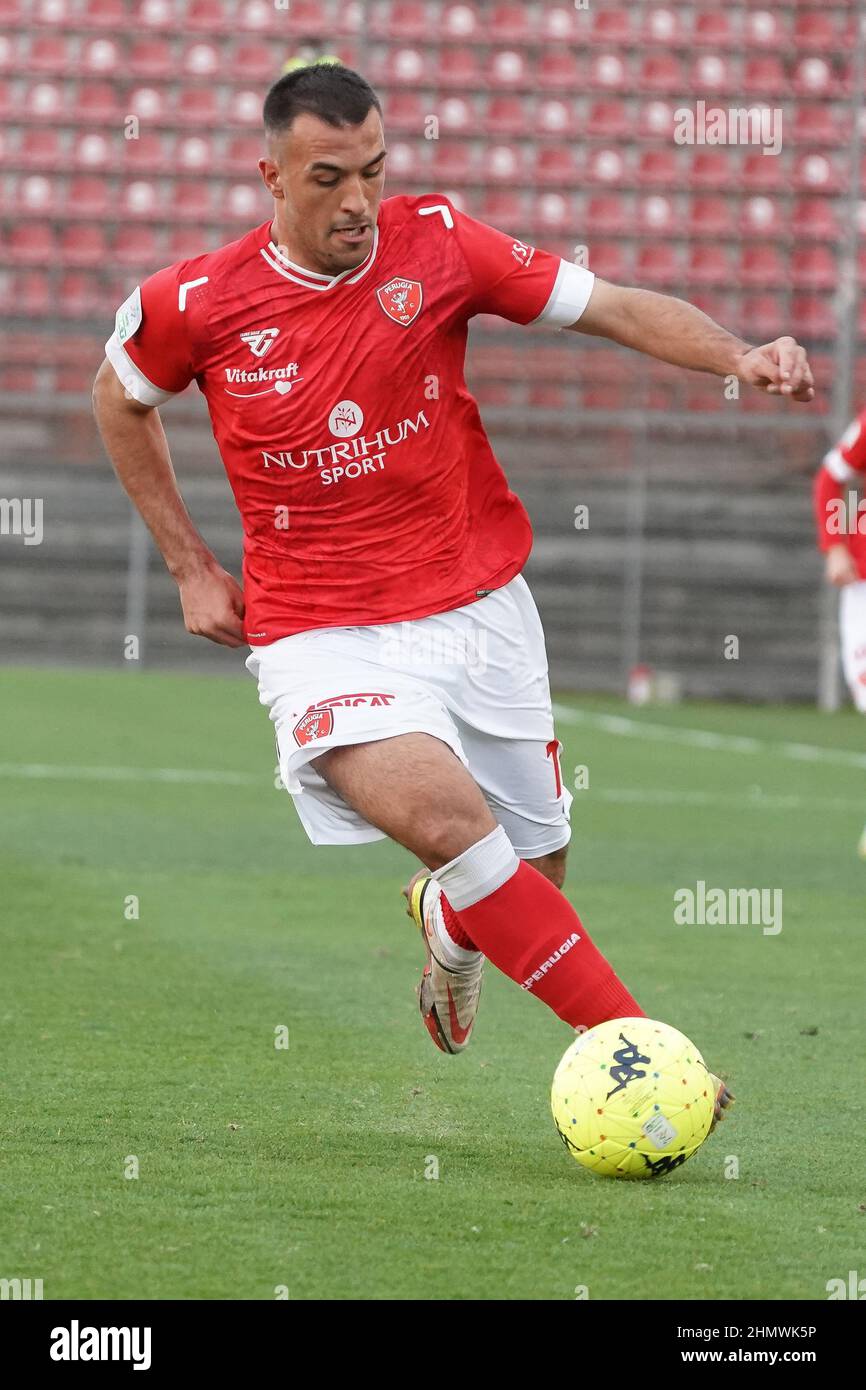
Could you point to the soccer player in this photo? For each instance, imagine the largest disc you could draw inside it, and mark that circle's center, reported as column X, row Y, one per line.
column 395, row 642
column 841, row 524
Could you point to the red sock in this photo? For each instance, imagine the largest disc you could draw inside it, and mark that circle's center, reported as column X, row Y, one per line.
column 535, row 937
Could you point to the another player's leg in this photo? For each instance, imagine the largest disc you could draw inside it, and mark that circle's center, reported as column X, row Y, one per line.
column 414, row 789
column 852, row 632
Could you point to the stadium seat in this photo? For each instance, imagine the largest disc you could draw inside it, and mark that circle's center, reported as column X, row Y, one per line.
column 460, row 23
column 814, row 268
column 612, row 260
column 511, row 23
column 819, row 173
column 713, row 168
column 605, row 165
column 136, row 246
column 200, row 59
column 32, row 193
column 655, row 214
column 31, row 243
column 406, row 20
column 94, row 151
column 559, row 25
column 557, row 166
column 608, row 72
column 103, row 14
column 507, row 209
column 765, row 173
column 88, row 196
column 43, row 101
column 661, row 26
column 251, row 62
column 558, row 70
column 141, row 198
column 816, row 219
column 406, row 67
column 817, row 31
column 207, row 16
column 606, row 212
column 553, row 212
column 147, row 155
column 608, row 118
column 709, row 265
column 459, row 68
column 149, row 58
column 153, row 14
column 192, row 199
column 763, row 266
column 663, row 168
column 504, row 163
column 245, row 107
column 812, row 317
column 661, row 72
column 51, row 53
column 712, row 75
column 505, row 115
column 764, row 77
column 813, row 77
column 611, row 28
column 41, row 148
column 710, row 217
column 99, row 57
column 656, row 120
column 767, row 29
column 659, row 264
column 457, row 115
column 509, row 67
column 555, row 117
column 816, row 123
column 195, row 154
column 32, row 294
column 454, row 161
column 185, row 243
column 713, row 30
column 10, row 59
column 242, row 154
column 760, row 216
column 44, row 12
column 79, row 296
column 244, row 204
column 98, row 103
column 200, row 107
column 83, row 245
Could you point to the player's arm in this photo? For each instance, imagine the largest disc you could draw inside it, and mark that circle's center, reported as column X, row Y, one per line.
column 843, row 466
column 147, row 362
column 677, row 332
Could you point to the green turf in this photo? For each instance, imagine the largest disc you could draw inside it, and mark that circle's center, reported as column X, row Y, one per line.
column 305, row 1167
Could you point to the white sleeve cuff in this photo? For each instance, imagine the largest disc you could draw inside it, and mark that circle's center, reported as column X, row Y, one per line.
column 133, row 378
column 569, row 297
column 839, row 469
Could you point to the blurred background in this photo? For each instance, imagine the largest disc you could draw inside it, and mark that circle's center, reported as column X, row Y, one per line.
column 130, row 134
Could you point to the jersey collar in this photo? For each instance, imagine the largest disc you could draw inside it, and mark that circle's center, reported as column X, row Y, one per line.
column 314, row 279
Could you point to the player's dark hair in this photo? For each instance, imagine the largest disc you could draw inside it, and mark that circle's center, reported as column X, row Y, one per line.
column 337, row 95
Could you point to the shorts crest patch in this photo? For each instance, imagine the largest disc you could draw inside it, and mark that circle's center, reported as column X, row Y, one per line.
column 316, row 723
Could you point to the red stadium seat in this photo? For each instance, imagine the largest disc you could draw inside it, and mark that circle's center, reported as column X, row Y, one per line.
column 661, row 72
column 141, row 198
column 611, row 28
column 460, row 68
column 507, row 209
column 50, row 13
column 88, row 196
column 612, row 260
column 713, row 30
column 606, row 165
column 84, row 245
column 760, row 216
column 186, row 242
column 505, row 163
column 766, row 29
column 659, row 264
column 709, row 265
column 554, row 212
column 764, row 77
column 147, row 155
column 656, row 121
column 406, row 67
column 79, row 295
column 557, row 165
column 558, row 70
column 559, row 25
column 245, row 107
column 99, row 56
column 814, row 268
column 762, row 317
column 662, row 168
column 33, row 193
column 50, row 53
column 251, row 62
column 244, row 203
column 555, row 117
column 191, row 200
column 205, row 16
column 710, row 217
column 661, row 26
column 194, row 154
column 153, row 14
column 655, row 215
column 763, row 266
column 94, row 151
column 10, row 59
column 510, row 23
column 607, row 212
column 31, row 243
column 33, row 294
column 202, row 59
column 454, row 161
column 812, row 317
column 457, row 115
column 242, row 154
column 43, row 101
column 505, row 115
column 765, row 173
column 149, row 58
column 6, row 102
column 104, row 14
column 200, row 107
column 460, row 22
column 608, row 118
column 136, row 246
column 608, row 72
column 816, row 123
column 815, row 218
column 713, row 168
column 98, row 103
column 403, row 20
column 818, row 31
column 257, row 16
column 41, row 148
column 509, row 67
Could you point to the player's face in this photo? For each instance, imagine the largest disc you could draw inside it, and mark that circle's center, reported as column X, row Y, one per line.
column 327, row 182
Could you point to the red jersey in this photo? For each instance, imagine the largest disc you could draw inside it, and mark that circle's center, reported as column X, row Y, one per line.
column 842, row 473
column 366, row 484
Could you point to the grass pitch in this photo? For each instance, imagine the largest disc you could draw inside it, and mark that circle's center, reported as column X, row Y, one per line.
column 165, row 922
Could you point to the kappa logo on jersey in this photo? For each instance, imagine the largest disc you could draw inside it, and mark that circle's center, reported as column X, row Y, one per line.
column 260, row 340
column 318, row 721
column 401, row 299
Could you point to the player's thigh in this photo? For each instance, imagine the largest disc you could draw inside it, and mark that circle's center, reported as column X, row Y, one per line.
column 522, row 782
column 852, row 624
column 415, row 789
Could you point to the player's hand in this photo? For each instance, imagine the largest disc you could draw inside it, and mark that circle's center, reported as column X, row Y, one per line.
column 213, row 605
column 780, row 368
column 840, row 568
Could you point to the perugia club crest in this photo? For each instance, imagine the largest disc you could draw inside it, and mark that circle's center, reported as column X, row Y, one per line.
column 401, row 299
column 316, row 723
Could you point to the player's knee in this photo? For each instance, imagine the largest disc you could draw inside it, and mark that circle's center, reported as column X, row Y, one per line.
column 552, row 865
column 444, row 833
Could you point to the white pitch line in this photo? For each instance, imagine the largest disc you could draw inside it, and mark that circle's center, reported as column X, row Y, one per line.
column 702, row 738
column 62, row 772
column 749, row 800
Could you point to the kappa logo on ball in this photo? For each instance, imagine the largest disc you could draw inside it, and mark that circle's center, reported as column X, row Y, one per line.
column 401, row 299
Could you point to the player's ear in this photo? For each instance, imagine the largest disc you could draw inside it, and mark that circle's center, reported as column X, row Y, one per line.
column 271, row 177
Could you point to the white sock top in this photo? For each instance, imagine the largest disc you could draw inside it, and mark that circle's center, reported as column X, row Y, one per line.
column 479, row 870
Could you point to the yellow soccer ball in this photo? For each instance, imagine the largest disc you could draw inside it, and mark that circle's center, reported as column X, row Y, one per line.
column 632, row 1098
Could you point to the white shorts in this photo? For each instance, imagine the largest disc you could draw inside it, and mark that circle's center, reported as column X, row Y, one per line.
column 852, row 625
column 476, row 678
